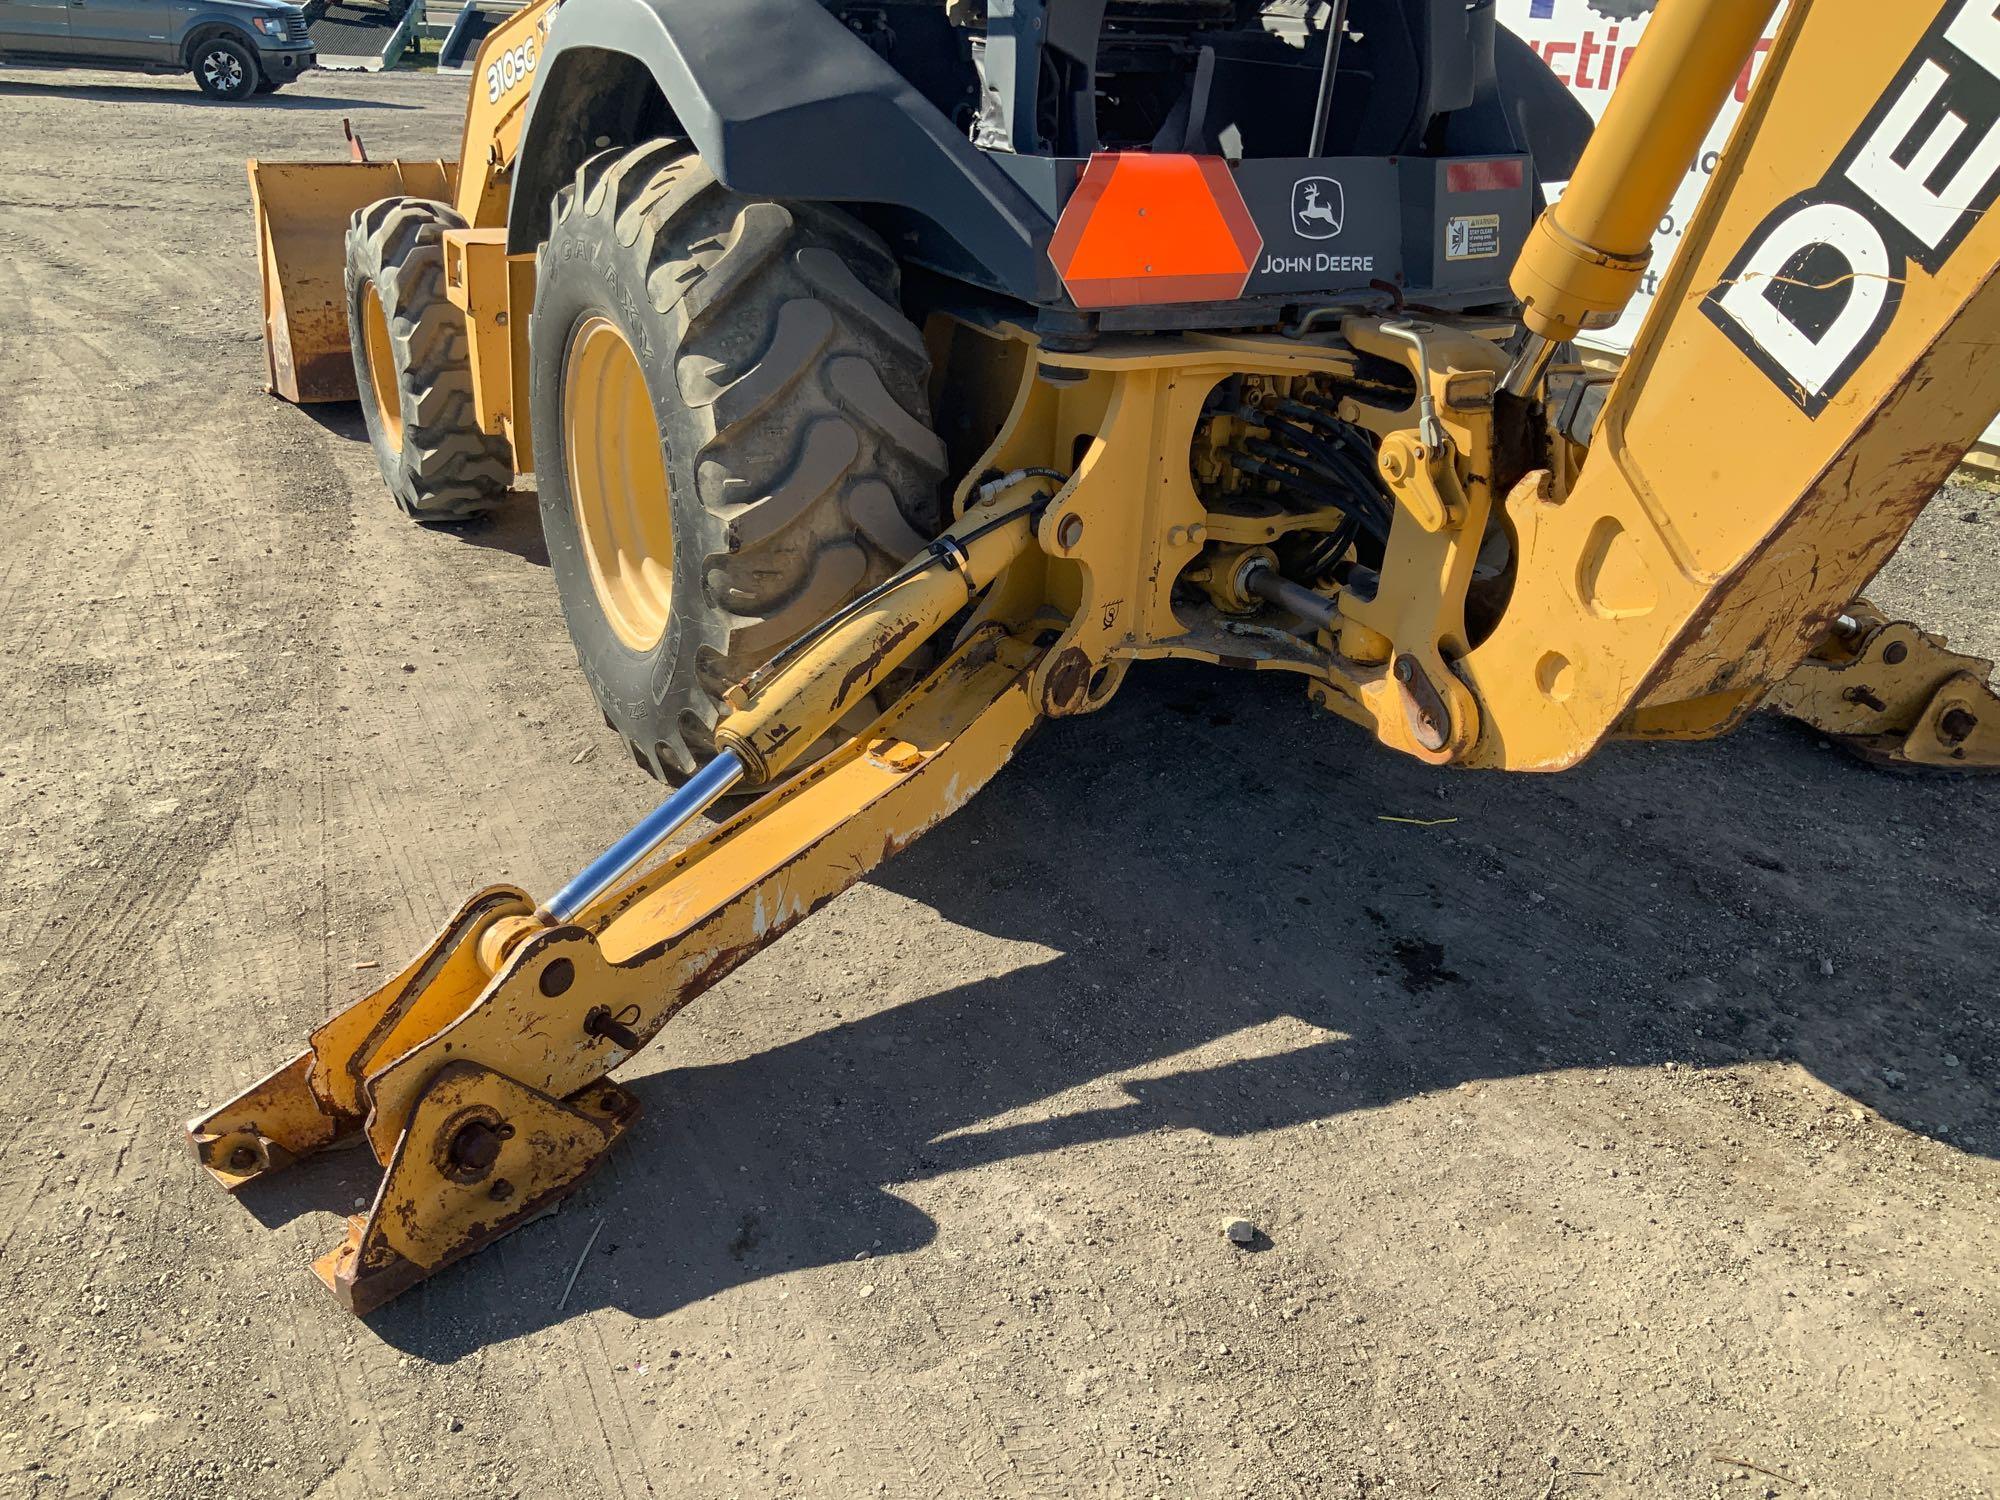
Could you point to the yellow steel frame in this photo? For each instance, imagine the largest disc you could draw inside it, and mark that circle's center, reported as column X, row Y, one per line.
column 1717, row 528
column 496, row 113
column 1709, row 540
column 1129, row 526
column 495, row 290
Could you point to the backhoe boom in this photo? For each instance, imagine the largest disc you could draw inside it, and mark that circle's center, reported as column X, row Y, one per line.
column 1812, row 371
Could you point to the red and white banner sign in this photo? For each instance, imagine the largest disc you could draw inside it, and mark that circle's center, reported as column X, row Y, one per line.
column 1587, row 44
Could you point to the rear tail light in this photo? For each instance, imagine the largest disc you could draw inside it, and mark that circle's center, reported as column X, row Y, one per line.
column 1485, row 176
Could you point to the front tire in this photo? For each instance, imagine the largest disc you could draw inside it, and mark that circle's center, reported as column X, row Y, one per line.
column 732, row 433
column 226, row 69
column 412, row 365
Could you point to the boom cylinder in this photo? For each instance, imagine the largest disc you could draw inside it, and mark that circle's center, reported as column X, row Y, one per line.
column 789, row 711
column 1587, row 254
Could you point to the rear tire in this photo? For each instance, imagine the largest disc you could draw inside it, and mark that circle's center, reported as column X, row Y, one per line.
column 411, row 365
column 225, row 69
column 788, row 398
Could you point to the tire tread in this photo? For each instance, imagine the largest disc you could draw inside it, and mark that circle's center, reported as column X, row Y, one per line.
column 446, row 468
column 807, row 480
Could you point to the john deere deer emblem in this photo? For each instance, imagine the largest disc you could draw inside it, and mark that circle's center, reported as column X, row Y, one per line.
column 1318, row 207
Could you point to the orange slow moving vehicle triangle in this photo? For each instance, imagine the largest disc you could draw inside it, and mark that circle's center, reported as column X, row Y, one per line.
column 1145, row 228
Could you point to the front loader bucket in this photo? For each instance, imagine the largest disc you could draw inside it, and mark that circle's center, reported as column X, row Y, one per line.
column 302, row 213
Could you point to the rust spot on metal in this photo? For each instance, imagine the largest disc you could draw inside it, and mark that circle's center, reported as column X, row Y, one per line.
column 469, row 1143
column 364, row 1271
column 1068, row 681
column 723, row 961
column 327, row 377
column 476, row 1147
column 1899, row 488
column 719, row 965
column 865, row 669
column 1429, row 719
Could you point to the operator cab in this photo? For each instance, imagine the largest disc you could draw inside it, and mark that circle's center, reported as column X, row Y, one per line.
column 1372, row 150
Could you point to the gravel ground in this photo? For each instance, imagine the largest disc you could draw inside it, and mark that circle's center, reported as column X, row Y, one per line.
column 1630, row 1133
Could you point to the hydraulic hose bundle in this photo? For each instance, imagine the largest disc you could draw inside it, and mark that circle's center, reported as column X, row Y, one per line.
column 1317, row 462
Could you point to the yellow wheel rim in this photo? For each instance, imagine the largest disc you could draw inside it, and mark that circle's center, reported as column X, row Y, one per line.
column 382, row 366
column 618, row 483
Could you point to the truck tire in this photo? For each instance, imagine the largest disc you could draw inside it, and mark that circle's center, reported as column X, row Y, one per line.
column 749, row 367
column 411, row 366
column 225, row 68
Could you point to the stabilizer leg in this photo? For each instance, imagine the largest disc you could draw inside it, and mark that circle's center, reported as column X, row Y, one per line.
column 316, row 1098
column 477, row 1076
column 1896, row 695
column 480, row 1155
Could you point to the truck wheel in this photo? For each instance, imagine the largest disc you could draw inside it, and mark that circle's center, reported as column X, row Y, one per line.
column 732, row 433
column 225, row 68
column 411, row 365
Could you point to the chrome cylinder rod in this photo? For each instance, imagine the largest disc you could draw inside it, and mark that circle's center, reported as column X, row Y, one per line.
column 614, row 864
column 1264, row 581
column 1524, row 376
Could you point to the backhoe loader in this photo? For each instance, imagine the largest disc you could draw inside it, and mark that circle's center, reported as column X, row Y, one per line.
column 894, row 376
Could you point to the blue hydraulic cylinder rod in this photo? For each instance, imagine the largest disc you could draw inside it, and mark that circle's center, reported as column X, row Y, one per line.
column 653, row 830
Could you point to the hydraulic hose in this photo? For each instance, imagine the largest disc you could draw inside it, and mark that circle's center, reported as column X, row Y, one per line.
column 786, row 708
column 1299, row 475
column 1324, row 446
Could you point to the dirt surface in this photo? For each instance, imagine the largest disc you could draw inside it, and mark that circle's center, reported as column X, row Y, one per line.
column 1630, row 1132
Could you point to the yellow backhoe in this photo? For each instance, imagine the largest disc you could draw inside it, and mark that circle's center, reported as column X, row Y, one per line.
column 895, row 376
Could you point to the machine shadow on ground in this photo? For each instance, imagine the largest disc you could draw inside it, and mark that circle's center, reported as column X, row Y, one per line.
column 341, row 418
column 27, row 81
column 1661, row 904
column 515, row 528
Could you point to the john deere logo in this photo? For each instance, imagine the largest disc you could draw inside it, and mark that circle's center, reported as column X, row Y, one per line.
column 1318, row 208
